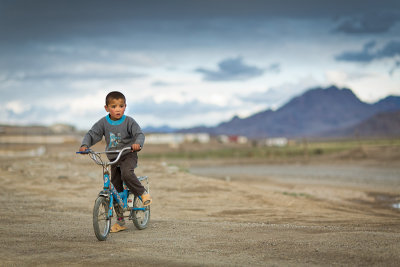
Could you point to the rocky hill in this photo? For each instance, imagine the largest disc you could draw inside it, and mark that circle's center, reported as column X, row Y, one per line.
column 315, row 113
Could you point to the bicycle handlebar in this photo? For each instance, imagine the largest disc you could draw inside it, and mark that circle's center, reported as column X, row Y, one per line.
column 98, row 160
column 119, row 154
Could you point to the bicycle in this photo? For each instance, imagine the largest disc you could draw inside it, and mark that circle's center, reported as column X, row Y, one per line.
column 103, row 206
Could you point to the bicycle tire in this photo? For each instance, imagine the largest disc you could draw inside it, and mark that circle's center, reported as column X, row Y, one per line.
column 140, row 218
column 101, row 224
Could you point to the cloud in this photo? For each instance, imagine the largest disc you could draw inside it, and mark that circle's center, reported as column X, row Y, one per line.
column 14, row 113
column 394, row 68
column 276, row 96
column 161, row 83
column 68, row 75
column 358, row 56
column 172, row 109
column 16, row 107
column 54, row 52
column 275, row 67
column 374, row 23
column 267, row 98
column 25, row 21
column 391, row 49
column 231, row 69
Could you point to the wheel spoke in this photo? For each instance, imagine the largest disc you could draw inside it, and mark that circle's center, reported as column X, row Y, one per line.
column 140, row 217
column 101, row 223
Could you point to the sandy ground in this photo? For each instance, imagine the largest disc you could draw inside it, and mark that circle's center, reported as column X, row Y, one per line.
column 297, row 215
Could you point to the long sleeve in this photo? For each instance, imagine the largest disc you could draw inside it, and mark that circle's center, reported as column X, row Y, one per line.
column 94, row 135
column 137, row 134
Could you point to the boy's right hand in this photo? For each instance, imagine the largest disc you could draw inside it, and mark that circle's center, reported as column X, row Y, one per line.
column 83, row 148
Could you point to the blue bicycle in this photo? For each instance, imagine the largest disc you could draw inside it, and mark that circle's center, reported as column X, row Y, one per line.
column 103, row 206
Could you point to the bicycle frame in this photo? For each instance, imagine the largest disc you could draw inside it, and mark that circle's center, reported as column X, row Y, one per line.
column 120, row 197
column 109, row 190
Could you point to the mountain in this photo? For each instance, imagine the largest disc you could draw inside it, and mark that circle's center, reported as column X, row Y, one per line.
column 381, row 124
column 390, row 103
column 313, row 114
column 161, row 129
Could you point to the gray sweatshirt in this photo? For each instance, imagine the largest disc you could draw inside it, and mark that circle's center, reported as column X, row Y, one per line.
column 118, row 134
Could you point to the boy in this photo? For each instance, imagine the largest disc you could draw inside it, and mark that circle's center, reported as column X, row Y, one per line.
column 120, row 131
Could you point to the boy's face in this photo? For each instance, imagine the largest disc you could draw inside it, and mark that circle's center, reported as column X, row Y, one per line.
column 116, row 108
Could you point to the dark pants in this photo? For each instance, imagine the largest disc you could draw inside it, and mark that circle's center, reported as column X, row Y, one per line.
column 124, row 171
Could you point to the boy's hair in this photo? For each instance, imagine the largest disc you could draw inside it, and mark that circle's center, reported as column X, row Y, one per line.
column 114, row 95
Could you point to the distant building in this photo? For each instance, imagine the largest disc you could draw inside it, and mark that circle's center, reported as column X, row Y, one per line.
column 164, row 138
column 38, row 139
column 24, row 130
column 223, row 139
column 278, row 141
column 202, row 138
column 176, row 138
column 57, row 134
column 55, row 129
column 237, row 139
column 62, row 128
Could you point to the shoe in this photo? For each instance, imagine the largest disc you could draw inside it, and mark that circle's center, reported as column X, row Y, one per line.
column 117, row 228
column 146, row 199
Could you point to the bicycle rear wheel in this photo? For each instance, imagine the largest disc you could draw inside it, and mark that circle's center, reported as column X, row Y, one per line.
column 140, row 215
column 101, row 222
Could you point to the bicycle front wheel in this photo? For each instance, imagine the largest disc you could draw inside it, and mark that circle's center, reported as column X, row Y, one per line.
column 140, row 215
column 101, row 221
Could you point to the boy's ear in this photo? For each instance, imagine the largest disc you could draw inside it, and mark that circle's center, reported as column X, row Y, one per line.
column 106, row 108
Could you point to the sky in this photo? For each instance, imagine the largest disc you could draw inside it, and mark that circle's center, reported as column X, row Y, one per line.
column 189, row 63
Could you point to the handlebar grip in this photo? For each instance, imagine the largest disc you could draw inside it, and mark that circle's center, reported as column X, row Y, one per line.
column 83, row 152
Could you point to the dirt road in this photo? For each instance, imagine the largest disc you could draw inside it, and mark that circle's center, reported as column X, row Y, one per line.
column 47, row 201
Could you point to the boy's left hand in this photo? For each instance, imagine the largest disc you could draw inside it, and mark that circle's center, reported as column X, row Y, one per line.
column 136, row 147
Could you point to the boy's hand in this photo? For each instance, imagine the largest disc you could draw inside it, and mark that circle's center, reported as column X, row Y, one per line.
column 83, row 148
column 136, row 147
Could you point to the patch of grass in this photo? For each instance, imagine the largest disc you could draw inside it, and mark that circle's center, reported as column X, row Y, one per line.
column 295, row 149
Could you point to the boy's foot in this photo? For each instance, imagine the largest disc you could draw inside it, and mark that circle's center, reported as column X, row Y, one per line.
column 116, row 228
column 146, row 199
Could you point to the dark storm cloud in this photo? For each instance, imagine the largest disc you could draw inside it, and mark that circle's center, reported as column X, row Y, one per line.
column 231, row 69
column 375, row 23
column 367, row 54
column 51, row 20
column 66, row 75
